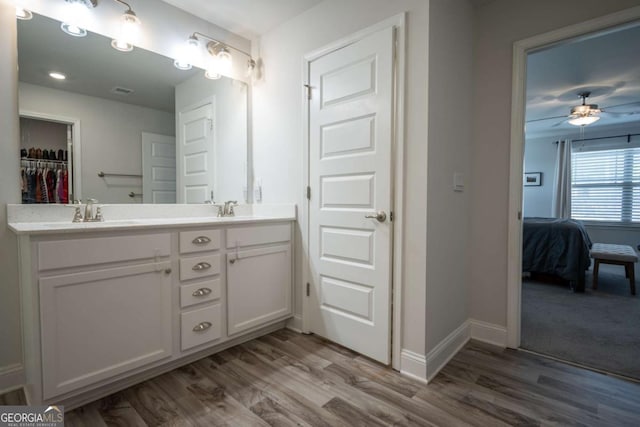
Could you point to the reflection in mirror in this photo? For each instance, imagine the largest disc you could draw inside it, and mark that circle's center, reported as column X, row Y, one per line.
column 124, row 127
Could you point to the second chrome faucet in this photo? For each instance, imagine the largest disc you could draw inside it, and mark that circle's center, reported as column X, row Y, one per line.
column 227, row 208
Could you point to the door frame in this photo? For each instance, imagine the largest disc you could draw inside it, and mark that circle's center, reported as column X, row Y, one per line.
column 397, row 176
column 76, row 144
column 516, row 157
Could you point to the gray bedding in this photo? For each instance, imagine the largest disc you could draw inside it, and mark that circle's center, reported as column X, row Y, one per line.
column 556, row 246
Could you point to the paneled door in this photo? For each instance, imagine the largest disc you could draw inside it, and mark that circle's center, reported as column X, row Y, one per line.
column 195, row 155
column 158, row 168
column 350, row 229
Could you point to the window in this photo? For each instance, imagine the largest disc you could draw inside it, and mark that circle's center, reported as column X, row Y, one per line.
column 605, row 184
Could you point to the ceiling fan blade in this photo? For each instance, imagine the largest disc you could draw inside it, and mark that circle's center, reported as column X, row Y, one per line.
column 620, row 105
column 620, row 113
column 546, row 118
column 560, row 122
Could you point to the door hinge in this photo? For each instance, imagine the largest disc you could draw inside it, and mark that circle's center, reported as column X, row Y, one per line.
column 391, row 216
column 308, row 289
column 520, row 215
column 308, row 193
column 210, row 124
column 308, row 91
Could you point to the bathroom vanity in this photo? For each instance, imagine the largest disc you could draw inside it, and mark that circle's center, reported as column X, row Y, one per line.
column 109, row 304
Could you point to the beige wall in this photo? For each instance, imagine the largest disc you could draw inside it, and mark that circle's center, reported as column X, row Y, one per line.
column 10, row 341
column 497, row 26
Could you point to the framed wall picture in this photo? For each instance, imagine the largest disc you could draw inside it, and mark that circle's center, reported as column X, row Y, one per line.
column 532, row 179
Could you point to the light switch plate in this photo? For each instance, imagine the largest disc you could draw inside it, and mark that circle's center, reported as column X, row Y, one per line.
column 458, row 182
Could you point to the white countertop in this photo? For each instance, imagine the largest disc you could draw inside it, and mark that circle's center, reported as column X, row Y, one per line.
column 39, row 219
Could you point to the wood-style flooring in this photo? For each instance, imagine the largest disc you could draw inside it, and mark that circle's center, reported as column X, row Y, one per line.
column 287, row 379
column 13, row 398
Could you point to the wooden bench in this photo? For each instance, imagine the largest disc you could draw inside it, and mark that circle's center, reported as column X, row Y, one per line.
column 618, row 255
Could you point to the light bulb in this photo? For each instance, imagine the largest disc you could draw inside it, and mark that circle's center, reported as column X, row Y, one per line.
column 129, row 32
column 75, row 15
column 188, row 54
column 224, row 62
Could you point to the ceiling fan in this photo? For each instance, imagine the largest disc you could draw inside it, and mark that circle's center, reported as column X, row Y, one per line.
column 586, row 114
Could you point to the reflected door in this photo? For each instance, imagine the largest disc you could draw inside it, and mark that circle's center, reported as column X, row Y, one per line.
column 350, row 125
column 158, row 168
column 195, row 155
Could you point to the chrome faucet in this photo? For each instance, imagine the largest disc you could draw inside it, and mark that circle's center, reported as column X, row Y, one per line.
column 89, row 214
column 228, row 208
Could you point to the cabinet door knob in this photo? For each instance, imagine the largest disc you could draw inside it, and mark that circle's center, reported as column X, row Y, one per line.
column 201, row 266
column 201, row 240
column 167, row 271
column 202, row 326
column 232, row 261
column 201, row 292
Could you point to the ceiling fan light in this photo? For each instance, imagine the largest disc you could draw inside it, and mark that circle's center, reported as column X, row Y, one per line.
column 583, row 120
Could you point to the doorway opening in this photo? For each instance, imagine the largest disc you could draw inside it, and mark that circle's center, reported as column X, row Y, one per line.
column 576, row 153
column 48, row 167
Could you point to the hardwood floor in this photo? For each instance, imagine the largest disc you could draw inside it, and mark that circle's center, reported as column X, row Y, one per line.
column 287, row 379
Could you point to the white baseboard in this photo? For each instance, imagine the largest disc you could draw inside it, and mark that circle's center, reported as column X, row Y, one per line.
column 446, row 349
column 295, row 323
column 425, row 368
column 413, row 365
column 488, row 332
column 11, row 377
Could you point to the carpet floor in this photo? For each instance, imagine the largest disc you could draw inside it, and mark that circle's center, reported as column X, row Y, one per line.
column 599, row 329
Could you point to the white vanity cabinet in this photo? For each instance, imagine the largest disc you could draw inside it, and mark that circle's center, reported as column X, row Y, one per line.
column 258, row 275
column 103, row 310
column 200, row 283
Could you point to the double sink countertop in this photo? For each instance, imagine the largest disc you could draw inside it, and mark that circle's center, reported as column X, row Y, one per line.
column 56, row 219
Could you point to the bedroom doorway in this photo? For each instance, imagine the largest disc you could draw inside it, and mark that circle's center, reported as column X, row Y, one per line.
column 573, row 175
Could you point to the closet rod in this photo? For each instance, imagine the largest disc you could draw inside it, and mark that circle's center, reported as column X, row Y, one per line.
column 628, row 135
column 103, row 174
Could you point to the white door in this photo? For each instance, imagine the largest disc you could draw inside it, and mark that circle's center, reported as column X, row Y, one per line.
column 195, row 155
column 351, row 133
column 158, row 168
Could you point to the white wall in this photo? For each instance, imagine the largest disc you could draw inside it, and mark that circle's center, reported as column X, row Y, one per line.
column 42, row 134
column 230, row 127
column 539, row 156
column 110, row 135
column 450, row 139
column 436, row 283
column 10, row 340
column 498, row 25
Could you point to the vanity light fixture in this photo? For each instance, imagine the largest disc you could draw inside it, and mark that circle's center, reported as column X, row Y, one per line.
column 220, row 61
column 24, row 14
column 75, row 14
column 129, row 30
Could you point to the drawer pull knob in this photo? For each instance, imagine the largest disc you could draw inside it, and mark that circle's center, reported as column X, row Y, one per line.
column 202, row 326
column 201, row 266
column 201, row 240
column 202, row 292
column 167, row 271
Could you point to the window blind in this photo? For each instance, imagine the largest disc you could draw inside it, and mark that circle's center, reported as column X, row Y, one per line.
column 605, row 185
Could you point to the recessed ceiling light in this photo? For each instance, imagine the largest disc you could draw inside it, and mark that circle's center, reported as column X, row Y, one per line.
column 57, row 76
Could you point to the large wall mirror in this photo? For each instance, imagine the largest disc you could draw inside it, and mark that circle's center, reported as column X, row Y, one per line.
column 111, row 128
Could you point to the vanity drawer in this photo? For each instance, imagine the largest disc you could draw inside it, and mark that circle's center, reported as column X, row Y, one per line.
column 199, row 241
column 258, row 235
column 101, row 250
column 199, row 292
column 200, row 266
column 200, row 326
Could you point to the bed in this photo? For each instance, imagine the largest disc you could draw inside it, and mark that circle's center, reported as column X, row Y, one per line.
column 556, row 246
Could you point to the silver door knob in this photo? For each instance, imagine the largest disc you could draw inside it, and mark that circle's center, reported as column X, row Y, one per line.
column 381, row 216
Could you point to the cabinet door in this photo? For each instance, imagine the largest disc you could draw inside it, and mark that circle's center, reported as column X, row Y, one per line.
column 98, row 324
column 258, row 287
